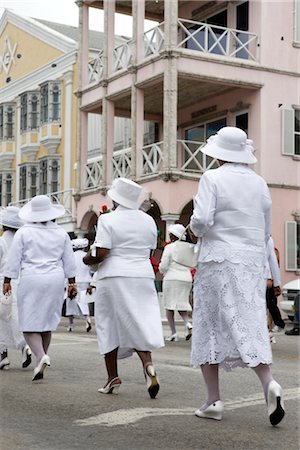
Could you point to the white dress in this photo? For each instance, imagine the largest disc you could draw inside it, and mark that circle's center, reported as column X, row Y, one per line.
column 127, row 312
column 78, row 306
column 42, row 255
column 232, row 215
column 10, row 336
column 177, row 281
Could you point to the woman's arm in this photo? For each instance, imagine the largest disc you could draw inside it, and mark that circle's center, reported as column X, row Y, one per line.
column 101, row 254
column 204, row 207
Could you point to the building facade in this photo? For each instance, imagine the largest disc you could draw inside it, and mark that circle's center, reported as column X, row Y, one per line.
column 205, row 64
column 39, row 112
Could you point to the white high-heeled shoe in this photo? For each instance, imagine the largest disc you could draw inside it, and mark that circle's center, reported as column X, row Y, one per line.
column 276, row 409
column 213, row 411
column 38, row 372
column 173, row 338
column 151, row 380
column 189, row 328
column 26, row 356
column 112, row 387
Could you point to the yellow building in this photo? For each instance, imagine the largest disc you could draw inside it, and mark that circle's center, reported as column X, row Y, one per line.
column 38, row 110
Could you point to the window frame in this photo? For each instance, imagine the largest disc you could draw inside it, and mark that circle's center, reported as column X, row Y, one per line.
column 50, row 102
column 46, row 175
column 6, row 178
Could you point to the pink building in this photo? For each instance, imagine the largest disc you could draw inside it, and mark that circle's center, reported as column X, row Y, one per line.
column 204, row 65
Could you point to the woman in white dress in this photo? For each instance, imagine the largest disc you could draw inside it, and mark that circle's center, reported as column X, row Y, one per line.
column 10, row 336
column 78, row 306
column 127, row 313
column 41, row 255
column 232, row 216
column 177, row 283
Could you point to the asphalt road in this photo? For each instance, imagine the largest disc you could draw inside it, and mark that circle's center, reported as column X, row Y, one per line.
column 65, row 412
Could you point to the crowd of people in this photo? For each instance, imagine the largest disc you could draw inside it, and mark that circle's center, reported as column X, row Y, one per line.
column 40, row 267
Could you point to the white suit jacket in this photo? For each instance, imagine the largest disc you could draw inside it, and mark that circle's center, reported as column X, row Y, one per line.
column 232, row 214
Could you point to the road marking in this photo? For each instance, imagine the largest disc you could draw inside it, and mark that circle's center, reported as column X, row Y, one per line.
column 129, row 416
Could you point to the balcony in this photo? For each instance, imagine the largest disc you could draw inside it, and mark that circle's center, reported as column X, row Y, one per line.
column 193, row 36
column 30, row 144
column 191, row 162
column 7, row 153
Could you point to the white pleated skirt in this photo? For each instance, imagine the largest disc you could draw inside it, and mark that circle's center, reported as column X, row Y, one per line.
column 127, row 315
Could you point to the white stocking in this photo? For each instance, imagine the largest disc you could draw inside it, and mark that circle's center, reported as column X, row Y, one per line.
column 35, row 342
column 263, row 372
column 170, row 317
column 210, row 374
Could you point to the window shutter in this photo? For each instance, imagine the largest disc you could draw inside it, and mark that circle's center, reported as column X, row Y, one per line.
column 291, row 246
column 288, row 132
column 297, row 20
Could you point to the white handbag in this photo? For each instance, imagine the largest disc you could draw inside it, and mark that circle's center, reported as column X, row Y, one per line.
column 186, row 253
column 5, row 307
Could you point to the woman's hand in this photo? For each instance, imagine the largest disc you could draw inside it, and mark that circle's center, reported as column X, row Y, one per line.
column 6, row 289
column 72, row 291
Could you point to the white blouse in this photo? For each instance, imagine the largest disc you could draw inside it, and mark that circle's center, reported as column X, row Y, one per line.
column 130, row 235
column 232, row 214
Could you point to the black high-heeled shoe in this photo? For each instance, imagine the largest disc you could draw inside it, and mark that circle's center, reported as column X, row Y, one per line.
column 112, row 387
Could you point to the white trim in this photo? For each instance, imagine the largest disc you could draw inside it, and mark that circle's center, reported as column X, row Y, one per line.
column 38, row 30
column 68, row 129
column 18, row 151
column 288, row 132
column 32, row 80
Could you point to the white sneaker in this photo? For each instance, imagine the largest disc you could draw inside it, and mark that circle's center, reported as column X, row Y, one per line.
column 173, row 338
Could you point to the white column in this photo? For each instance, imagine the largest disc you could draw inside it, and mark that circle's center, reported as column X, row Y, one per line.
column 170, row 219
column 18, row 140
column 68, row 77
column 107, row 138
column 170, row 86
column 109, row 36
column 137, row 95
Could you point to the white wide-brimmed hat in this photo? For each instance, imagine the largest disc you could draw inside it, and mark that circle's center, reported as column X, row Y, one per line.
column 178, row 230
column 230, row 144
column 126, row 193
column 41, row 209
column 79, row 243
column 9, row 217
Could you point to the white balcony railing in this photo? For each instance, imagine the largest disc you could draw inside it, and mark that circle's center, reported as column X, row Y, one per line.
column 64, row 198
column 217, row 40
column 152, row 158
column 95, row 68
column 197, row 36
column 121, row 163
column 154, row 40
column 122, row 56
column 193, row 159
column 93, row 173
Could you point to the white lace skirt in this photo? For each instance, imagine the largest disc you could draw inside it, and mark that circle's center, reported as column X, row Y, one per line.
column 229, row 316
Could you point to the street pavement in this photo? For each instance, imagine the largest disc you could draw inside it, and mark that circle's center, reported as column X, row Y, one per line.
column 65, row 412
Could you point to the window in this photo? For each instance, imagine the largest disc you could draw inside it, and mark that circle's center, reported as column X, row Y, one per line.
column 210, row 40
column 49, row 175
column 242, row 23
column 241, row 121
column 33, row 112
column 291, row 132
column 50, row 102
column 198, row 135
column 29, row 111
column 292, row 246
column 6, row 182
column 44, row 104
column 24, row 112
column 7, row 117
column 28, row 180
